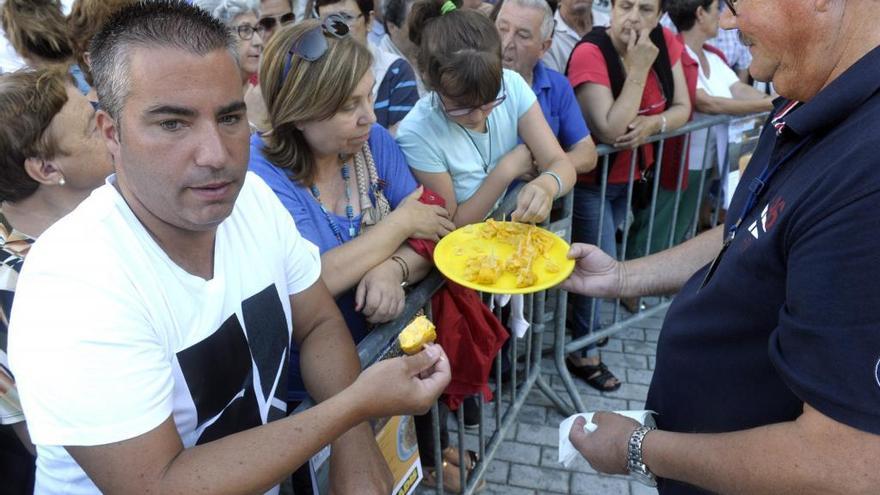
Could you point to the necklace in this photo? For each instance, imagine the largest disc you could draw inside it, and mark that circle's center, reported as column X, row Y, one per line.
column 484, row 159
column 349, row 209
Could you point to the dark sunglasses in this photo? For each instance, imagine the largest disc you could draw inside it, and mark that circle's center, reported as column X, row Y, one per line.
column 269, row 22
column 313, row 45
column 731, row 5
column 246, row 31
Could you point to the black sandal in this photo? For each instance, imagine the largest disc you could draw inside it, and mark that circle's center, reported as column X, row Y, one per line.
column 595, row 376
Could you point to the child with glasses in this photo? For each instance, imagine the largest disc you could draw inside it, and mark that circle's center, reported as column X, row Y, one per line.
column 480, row 127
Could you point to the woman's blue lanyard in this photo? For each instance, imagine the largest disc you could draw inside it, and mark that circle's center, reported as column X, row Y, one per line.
column 756, row 187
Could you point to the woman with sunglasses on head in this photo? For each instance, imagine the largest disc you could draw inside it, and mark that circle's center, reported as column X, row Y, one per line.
column 341, row 176
column 461, row 139
column 630, row 84
column 241, row 16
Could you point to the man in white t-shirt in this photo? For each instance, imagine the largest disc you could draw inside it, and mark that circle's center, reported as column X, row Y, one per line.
column 151, row 328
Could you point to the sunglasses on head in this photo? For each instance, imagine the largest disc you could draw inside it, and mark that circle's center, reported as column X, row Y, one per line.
column 312, row 45
column 269, row 22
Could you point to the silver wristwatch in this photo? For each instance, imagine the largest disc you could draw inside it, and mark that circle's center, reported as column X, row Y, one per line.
column 637, row 468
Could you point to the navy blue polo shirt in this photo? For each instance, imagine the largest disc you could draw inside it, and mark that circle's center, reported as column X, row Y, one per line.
column 559, row 105
column 792, row 314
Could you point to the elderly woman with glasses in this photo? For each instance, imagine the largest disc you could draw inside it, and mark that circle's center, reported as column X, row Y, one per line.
column 463, row 138
column 241, row 16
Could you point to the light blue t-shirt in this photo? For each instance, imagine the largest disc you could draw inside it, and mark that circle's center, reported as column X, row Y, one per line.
column 434, row 143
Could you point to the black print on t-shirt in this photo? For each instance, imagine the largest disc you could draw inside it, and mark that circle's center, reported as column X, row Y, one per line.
column 231, row 373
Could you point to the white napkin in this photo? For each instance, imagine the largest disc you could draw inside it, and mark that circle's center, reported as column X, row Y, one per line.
column 567, row 452
column 516, row 321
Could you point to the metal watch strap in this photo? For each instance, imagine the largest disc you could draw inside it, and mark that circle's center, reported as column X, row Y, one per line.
column 634, row 463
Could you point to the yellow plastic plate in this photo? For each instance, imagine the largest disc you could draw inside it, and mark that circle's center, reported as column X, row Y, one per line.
column 453, row 250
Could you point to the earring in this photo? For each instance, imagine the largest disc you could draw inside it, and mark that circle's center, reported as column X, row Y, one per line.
column 61, row 181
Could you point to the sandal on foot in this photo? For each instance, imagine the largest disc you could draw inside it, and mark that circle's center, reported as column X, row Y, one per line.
column 596, row 376
column 451, row 478
column 471, row 458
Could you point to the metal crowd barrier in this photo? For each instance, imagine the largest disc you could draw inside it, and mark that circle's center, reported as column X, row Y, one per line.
column 546, row 313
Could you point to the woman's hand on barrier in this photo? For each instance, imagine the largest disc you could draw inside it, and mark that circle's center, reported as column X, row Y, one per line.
column 379, row 296
column 404, row 385
column 641, row 127
column 595, row 273
column 606, row 447
column 640, row 54
column 430, row 222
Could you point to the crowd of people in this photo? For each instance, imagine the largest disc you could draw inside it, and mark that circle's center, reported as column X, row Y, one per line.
column 188, row 186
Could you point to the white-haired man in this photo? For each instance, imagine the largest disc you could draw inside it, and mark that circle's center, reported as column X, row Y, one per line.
column 526, row 27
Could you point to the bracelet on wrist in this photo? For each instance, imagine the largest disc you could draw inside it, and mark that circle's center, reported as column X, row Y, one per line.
column 404, row 268
column 662, row 123
column 558, row 182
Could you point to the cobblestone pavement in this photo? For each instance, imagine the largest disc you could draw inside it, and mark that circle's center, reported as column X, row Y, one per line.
column 526, row 463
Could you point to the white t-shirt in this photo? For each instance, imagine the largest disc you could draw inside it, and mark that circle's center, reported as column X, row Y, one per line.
column 718, row 83
column 434, row 143
column 109, row 336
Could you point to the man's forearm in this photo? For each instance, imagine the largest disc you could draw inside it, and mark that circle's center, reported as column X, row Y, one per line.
column 667, row 271
column 785, row 458
column 255, row 460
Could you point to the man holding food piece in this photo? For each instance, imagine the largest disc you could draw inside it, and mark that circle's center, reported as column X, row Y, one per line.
column 174, row 290
column 767, row 365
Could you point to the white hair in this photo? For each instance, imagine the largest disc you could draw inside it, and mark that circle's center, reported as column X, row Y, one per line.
column 547, row 20
column 226, row 11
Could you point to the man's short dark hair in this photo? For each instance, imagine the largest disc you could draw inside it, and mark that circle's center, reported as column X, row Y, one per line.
column 153, row 24
column 684, row 12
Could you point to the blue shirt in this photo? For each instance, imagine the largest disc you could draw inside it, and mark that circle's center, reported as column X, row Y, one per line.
column 397, row 182
column 559, row 105
column 790, row 316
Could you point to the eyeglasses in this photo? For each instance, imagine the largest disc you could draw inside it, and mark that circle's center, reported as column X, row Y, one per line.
column 313, row 45
column 461, row 112
column 246, row 31
column 269, row 22
column 348, row 18
column 731, row 4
